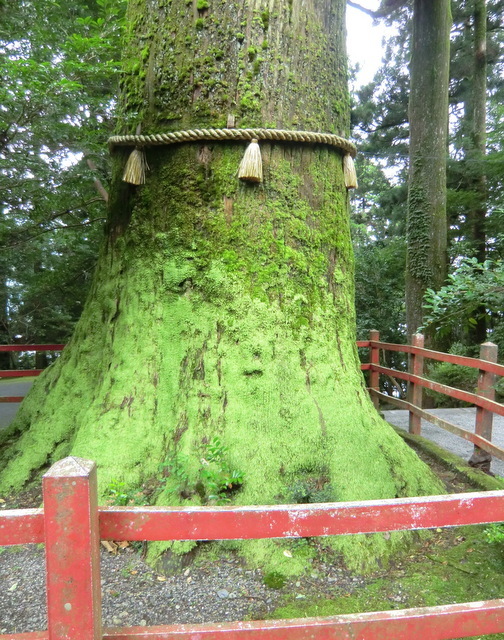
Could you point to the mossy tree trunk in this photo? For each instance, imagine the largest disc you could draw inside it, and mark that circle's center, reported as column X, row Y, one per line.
column 427, row 260
column 221, row 309
column 477, row 150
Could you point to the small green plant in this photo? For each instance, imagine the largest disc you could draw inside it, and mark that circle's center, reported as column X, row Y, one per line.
column 200, row 24
column 311, row 490
column 216, row 475
column 252, row 52
column 119, row 495
column 240, row 36
column 495, row 533
column 274, row 580
column 216, row 479
column 201, row 5
column 265, row 18
column 175, row 467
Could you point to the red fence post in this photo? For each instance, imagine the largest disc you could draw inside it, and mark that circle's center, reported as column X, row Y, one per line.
column 415, row 390
column 484, row 418
column 72, row 547
column 374, row 358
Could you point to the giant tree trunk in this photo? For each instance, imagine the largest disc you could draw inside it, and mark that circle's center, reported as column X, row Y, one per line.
column 428, row 117
column 222, row 309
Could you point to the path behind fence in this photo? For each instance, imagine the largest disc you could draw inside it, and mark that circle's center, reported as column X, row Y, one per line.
column 483, row 399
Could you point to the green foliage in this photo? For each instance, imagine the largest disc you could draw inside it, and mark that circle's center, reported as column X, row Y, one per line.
column 175, row 466
column 474, row 290
column 495, row 534
column 217, row 475
column 60, row 73
column 380, row 127
column 118, row 494
column 379, row 287
column 453, row 375
column 214, row 479
column 265, row 18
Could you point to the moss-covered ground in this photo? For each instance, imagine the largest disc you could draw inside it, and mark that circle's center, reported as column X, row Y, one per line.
column 452, row 566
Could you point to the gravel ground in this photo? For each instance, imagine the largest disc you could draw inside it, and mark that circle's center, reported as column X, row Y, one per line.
column 133, row 594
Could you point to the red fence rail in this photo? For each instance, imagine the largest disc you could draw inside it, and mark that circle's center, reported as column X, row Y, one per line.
column 71, row 525
column 24, row 373
column 483, row 399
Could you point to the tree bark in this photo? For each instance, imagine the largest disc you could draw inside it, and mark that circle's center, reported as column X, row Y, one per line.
column 220, row 309
column 476, row 155
column 428, row 116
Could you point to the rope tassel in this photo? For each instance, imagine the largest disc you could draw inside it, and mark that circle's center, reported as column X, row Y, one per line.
column 135, row 169
column 251, row 166
column 349, row 172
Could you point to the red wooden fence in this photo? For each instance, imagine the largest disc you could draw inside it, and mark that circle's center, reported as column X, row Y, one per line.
column 24, row 373
column 71, row 526
column 484, row 399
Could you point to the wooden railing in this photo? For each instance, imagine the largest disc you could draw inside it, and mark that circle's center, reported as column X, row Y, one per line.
column 24, row 373
column 483, row 399
column 71, row 526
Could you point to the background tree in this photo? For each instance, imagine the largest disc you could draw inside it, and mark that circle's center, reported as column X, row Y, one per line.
column 219, row 336
column 426, row 264
column 59, row 68
column 384, row 138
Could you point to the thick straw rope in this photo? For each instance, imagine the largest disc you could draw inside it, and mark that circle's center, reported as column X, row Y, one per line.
column 192, row 135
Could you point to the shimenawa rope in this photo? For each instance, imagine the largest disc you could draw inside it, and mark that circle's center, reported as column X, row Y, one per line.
column 251, row 165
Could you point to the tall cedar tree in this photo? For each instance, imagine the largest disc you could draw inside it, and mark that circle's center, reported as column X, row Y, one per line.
column 428, row 117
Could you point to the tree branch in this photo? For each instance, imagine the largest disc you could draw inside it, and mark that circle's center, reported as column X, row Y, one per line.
column 97, row 182
column 66, row 226
column 386, row 8
column 368, row 12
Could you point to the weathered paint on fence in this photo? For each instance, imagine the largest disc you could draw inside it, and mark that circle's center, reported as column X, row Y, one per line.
column 434, row 623
column 32, row 347
column 474, row 363
column 299, row 520
column 20, row 373
column 72, row 550
column 21, row 526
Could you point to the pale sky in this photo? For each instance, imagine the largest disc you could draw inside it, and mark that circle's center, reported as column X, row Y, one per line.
column 364, row 40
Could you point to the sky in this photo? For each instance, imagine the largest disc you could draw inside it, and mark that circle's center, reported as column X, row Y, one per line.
column 364, row 41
